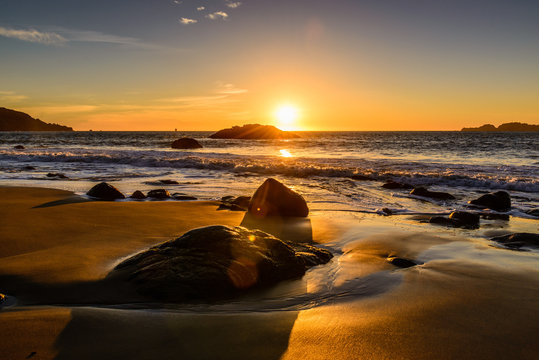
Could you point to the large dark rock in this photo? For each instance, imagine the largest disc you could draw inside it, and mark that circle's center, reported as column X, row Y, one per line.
column 464, row 219
column 158, row 194
column 186, row 143
column 499, row 201
column 396, row 185
column 253, row 132
column 518, row 240
column 273, row 198
column 421, row 191
column 104, row 191
column 216, row 262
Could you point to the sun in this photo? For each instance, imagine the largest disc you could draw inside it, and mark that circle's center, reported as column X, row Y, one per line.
column 286, row 117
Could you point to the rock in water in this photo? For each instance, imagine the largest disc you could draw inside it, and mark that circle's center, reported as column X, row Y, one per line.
column 138, row 195
column 18, row 147
column 104, row 191
column 499, row 201
column 396, row 185
column 159, row 194
column 401, row 262
column 186, row 143
column 464, row 219
column 421, row 191
column 273, row 198
column 216, row 262
column 518, row 240
column 253, row 131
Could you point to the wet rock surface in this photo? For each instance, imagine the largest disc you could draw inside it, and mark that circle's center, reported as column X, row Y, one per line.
column 273, row 198
column 401, row 262
column 499, row 201
column 518, row 240
column 104, row 191
column 216, row 262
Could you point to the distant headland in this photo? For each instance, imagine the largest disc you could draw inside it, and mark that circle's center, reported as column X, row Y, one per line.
column 512, row 126
column 12, row 120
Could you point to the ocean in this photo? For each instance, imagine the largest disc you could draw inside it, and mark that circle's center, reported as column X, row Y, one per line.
column 319, row 165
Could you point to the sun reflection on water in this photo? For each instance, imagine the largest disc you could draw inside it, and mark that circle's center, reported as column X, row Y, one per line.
column 285, row 153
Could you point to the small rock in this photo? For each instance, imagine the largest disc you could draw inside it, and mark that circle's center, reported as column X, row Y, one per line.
column 186, row 143
column 169, row 182
column 518, row 240
column 401, row 262
column 104, row 191
column 158, row 194
column 273, row 198
column 397, row 185
column 56, row 175
column 499, row 201
column 28, row 168
column 184, row 197
column 18, row 147
column 421, row 191
column 138, row 195
column 504, row 217
column 231, row 207
column 387, row 211
column 441, row 220
column 464, row 219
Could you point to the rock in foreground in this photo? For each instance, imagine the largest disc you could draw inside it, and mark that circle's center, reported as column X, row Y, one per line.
column 499, row 201
column 216, row 262
column 104, row 191
column 186, row 143
column 273, row 198
column 253, row 132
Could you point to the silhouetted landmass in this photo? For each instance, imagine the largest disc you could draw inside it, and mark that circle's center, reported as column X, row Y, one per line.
column 512, row 126
column 253, row 131
column 11, row 120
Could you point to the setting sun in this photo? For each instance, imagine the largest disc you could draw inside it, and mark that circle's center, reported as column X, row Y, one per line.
column 286, row 117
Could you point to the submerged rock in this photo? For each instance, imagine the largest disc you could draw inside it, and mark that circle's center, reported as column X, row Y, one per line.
column 421, row 191
column 183, row 197
column 168, row 182
column 56, row 175
column 396, row 185
column 138, row 195
column 186, row 143
column 518, row 240
column 273, row 198
column 464, row 219
column 158, row 194
column 104, row 191
column 216, row 262
column 499, row 201
column 401, row 262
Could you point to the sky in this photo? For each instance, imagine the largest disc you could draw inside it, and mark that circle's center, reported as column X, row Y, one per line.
column 210, row 64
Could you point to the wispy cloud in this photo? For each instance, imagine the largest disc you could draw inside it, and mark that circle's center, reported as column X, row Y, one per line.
column 233, row 4
column 187, row 21
column 11, row 96
column 32, row 35
column 201, row 8
column 229, row 89
column 217, row 15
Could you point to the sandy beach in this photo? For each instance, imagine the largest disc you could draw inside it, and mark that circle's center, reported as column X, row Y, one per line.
column 466, row 300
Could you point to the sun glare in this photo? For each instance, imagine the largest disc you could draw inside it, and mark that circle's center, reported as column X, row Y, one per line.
column 286, row 117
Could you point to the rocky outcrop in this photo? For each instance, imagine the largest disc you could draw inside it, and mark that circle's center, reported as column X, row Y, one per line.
column 216, row 262
column 518, row 240
column 512, row 126
column 186, row 143
column 104, row 191
column 273, row 198
column 158, row 194
column 499, row 201
column 421, row 191
column 11, row 120
column 253, row 131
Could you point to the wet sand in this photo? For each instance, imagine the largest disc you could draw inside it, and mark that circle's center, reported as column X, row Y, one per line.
column 467, row 299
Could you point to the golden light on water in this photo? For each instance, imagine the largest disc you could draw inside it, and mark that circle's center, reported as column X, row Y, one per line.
column 287, row 116
column 285, row 153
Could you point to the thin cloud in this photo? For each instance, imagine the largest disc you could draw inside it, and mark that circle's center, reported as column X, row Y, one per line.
column 32, row 35
column 217, row 15
column 187, row 21
column 201, row 8
column 229, row 89
column 11, row 96
column 233, row 4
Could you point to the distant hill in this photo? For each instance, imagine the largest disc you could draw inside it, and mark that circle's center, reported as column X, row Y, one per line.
column 253, row 131
column 512, row 126
column 11, row 120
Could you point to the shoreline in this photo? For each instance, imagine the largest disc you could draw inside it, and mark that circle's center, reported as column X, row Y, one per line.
column 466, row 299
